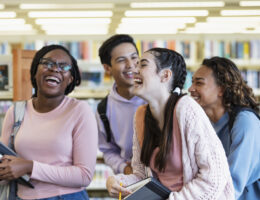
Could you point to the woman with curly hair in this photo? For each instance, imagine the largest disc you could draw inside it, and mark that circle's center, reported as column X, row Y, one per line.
column 232, row 108
column 173, row 140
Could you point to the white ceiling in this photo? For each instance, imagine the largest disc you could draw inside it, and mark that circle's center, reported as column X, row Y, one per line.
column 194, row 24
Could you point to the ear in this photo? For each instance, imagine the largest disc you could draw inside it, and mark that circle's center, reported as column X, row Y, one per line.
column 70, row 79
column 220, row 91
column 166, row 75
column 107, row 69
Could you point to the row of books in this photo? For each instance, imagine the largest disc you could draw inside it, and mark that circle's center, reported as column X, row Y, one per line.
column 232, row 49
column 252, row 77
column 88, row 50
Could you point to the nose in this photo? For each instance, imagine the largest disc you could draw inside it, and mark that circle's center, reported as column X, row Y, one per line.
column 131, row 63
column 191, row 88
column 55, row 68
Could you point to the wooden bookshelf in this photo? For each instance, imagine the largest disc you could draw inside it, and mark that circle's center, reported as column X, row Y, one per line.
column 22, row 88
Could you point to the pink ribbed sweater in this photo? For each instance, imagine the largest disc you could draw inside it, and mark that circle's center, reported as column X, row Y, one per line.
column 206, row 174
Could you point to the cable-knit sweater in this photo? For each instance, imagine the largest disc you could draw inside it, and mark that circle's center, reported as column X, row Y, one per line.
column 206, row 174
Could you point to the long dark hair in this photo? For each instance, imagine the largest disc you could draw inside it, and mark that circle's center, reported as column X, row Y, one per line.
column 153, row 136
column 74, row 71
column 236, row 93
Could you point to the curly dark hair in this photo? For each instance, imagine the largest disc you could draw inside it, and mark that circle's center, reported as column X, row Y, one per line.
column 74, row 71
column 236, row 93
column 154, row 137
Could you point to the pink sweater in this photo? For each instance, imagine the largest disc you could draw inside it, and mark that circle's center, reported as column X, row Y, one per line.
column 62, row 144
column 206, row 174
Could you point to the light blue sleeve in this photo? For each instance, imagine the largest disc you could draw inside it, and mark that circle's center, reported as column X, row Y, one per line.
column 244, row 151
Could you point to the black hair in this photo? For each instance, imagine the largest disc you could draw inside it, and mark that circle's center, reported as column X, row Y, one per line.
column 107, row 46
column 236, row 93
column 74, row 71
column 153, row 136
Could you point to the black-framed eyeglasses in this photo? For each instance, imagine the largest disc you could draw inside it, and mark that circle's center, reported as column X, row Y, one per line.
column 49, row 64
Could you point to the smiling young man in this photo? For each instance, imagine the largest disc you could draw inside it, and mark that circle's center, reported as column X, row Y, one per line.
column 119, row 57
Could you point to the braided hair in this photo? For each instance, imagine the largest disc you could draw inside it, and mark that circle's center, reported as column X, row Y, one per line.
column 74, row 70
column 154, row 137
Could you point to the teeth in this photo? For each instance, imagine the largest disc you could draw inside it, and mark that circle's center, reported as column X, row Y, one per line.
column 138, row 80
column 53, row 78
column 129, row 73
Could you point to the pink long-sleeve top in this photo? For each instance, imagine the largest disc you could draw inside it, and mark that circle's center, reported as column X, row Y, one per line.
column 62, row 144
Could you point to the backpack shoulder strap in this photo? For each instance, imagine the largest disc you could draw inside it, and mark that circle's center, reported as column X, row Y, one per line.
column 102, row 109
column 19, row 110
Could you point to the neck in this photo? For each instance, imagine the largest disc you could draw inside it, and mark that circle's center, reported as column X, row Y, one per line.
column 44, row 104
column 214, row 114
column 127, row 93
column 157, row 106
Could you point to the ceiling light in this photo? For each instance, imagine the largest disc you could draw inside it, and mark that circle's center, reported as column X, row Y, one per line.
column 151, row 26
column 25, row 27
column 2, row 6
column 239, row 12
column 75, row 26
column 210, row 31
column 16, row 32
column 7, row 14
column 177, row 4
column 11, row 21
column 145, row 31
column 159, row 20
column 68, row 21
column 249, row 3
column 233, row 19
column 46, row 14
column 67, row 6
column 76, row 32
column 165, row 13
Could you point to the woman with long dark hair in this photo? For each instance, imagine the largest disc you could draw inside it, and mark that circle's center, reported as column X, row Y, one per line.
column 174, row 140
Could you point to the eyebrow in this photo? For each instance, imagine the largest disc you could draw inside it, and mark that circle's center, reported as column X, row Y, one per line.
column 198, row 78
column 144, row 60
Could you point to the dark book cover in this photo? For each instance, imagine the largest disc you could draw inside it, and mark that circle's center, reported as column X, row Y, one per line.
column 4, row 77
column 149, row 188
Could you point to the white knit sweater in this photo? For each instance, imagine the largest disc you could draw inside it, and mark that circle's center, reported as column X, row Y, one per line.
column 206, row 173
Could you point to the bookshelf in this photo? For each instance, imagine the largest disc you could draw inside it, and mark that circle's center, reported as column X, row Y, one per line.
column 95, row 85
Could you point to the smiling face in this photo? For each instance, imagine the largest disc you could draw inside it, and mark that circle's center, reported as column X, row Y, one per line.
column 205, row 90
column 51, row 82
column 147, row 80
column 124, row 59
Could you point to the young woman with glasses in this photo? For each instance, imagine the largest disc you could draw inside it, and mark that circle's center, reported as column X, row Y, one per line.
column 57, row 141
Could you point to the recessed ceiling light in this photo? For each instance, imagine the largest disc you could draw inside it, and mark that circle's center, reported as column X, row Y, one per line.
column 249, row 3
column 177, row 4
column 165, row 13
column 67, row 6
column 48, row 14
column 7, row 14
column 239, row 12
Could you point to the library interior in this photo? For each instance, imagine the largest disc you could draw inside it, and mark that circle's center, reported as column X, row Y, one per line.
column 197, row 29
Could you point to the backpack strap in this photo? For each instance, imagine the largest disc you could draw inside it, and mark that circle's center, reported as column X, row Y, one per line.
column 19, row 110
column 102, row 109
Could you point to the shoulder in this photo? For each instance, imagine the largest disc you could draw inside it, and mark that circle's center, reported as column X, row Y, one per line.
column 188, row 106
column 141, row 109
column 246, row 120
column 76, row 105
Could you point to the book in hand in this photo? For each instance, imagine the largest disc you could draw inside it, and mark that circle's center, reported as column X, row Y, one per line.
column 5, row 150
column 149, row 188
